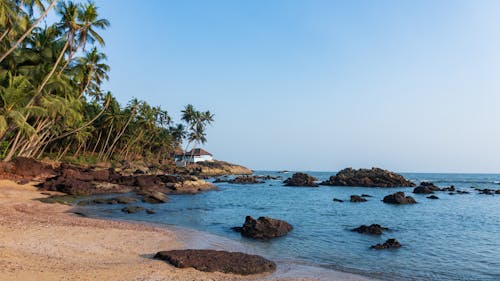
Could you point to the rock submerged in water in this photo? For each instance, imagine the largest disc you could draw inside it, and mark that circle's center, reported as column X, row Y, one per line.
column 132, row 209
column 374, row 177
column 432, row 197
column 263, row 228
column 399, row 198
column 375, row 229
column 390, row 243
column 426, row 188
column 337, row 200
column 301, row 179
column 153, row 197
column 357, row 199
column 221, row 261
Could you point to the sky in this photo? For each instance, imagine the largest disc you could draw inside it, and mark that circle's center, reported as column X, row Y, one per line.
column 410, row 86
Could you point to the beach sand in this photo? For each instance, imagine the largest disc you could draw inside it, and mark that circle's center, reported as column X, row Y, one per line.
column 40, row 241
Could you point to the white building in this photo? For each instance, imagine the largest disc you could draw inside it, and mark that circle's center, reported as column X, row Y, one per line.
column 193, row 156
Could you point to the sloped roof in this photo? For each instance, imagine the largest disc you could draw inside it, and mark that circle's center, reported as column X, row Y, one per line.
column 195, row 152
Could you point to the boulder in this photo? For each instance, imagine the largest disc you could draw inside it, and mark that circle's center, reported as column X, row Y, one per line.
column 221, row 261
column 375, row 229
column 450, row 188
column 153, row 197
column 422, row 190
column 432, row 197
column 374, row 177
column 398, row 198
column 132, row 209
column 301, row 179
column 357, row 199
column 264, row 228
column 390, row 243
column 337, row 200
column 245, row 180
column 366, row 195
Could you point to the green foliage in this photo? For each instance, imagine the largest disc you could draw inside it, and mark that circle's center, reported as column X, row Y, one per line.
column 51, row 99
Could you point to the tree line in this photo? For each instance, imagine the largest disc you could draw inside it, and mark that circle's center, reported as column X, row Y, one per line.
column 52, row 103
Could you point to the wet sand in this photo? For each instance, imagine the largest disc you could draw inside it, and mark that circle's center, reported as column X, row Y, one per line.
column 42, row 241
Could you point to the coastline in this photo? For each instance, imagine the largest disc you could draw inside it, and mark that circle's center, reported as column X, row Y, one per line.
column 47, row 242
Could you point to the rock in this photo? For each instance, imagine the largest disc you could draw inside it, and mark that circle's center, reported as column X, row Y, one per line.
column 497, row 191
column 269, row 177
column 390, row 243
column 264, row 228
column 357, row 199
column 221, row 261
column 432, row 197
column 245, row 180
column 132, row 209
column 374, row 177
column 399, row 198
column 154, row 197
column 375, row 229
column 366, row 195
column 422, row 190
column 150, row 212
column 217, row 168
column 337, row 200
column 301, row 179
column 464, row 192
column 486, row 191
column 29, row 168
column 450, row 188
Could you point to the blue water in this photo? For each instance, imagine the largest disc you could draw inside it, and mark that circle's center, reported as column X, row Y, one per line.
column 454, row 238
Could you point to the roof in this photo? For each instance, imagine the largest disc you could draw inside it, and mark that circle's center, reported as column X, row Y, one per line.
column 196, row 152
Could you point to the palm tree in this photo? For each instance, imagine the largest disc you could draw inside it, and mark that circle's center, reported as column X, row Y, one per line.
column 45, row 11
column 92, row 71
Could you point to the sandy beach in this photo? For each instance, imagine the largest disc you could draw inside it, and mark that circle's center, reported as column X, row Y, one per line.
column 42, row 241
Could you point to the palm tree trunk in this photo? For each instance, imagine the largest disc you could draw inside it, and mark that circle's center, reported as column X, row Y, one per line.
column 44, row 14
column 13, row 147
column 4, row 34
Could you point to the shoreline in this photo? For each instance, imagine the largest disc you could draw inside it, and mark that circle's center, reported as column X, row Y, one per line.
column 47, row 242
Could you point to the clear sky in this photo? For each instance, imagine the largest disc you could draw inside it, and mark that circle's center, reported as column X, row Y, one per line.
column 321, row 85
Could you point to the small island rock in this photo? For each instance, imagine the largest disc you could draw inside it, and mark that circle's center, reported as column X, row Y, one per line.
column 301, row 179
column 399, row 198
column 374, row 177
column 390, row 243
column 263, row 228
column 375, row 229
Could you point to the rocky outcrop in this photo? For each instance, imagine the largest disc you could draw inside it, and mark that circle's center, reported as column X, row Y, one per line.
column 153, row 197
column 374, row 229
column 399, row 198
column 217, row 168
column 374, row 177
column 301, row 179
column 390, row 243
column 434, row 197
column 357, row 199
column 221, row 261
column 245, row 180
column 263, row 228
column 112, row 200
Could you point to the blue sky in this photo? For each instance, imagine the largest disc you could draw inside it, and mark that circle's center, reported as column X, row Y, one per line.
column 320, row 85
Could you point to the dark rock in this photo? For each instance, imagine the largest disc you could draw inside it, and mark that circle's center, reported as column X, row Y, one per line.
column 357, row 199
column 375, row 229
column 497, row 191
column 132, row 209
column 264, row 228
column 150, row 212
column 366, row 195
column 337, row 200
column 374, row 177
column 153, row 197
column 462, row 192
column 450, row 188
column 245, row 180
column 28, row 167
column 390, row 243
column 433, row 197
column 221, row 261
column 399, row 198
column 301, row 179
column 429, row 185
column 423, row 189
column 486, row 191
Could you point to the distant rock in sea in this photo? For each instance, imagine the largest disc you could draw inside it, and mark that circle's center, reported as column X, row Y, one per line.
column 245, row 180
column 375, row 229
column 357, row 199
column 399, row 198
column 390, row 243
column 374, row 177
column 263, row 228
column 301, row 179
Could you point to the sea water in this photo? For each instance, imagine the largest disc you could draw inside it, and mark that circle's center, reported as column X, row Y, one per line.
column 456, row 237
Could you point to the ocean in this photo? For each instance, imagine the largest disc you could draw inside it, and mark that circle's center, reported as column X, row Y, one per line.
column 454, row 238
